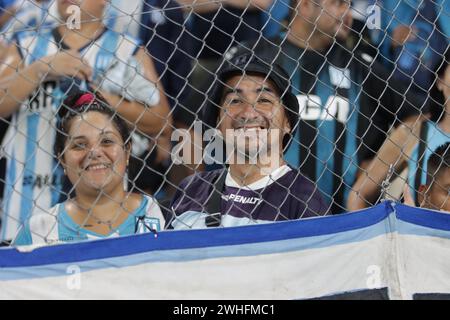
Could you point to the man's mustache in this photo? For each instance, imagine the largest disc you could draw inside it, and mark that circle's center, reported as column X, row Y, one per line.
column 243, row 122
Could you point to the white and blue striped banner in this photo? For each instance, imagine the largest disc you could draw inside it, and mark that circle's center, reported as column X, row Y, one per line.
column 389, row 251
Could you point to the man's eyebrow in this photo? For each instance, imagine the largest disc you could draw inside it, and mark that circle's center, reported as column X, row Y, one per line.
column 231, row 90
column 237, row 90
column 265, row 89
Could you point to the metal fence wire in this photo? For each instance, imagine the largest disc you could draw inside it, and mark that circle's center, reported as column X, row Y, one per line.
column 121, row 117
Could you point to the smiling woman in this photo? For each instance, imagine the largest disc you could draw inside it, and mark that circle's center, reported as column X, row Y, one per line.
column 43, row 65
column 93, row 145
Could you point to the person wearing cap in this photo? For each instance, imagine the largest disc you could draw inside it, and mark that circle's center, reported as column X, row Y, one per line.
column 347, row 100
column 250, row 96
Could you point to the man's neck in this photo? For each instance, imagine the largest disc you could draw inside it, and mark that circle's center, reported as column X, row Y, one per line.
column 246, row 174
column 305, row 35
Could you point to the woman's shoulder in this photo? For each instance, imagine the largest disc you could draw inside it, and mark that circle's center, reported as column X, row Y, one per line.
column 150, row 212
column 143, row 203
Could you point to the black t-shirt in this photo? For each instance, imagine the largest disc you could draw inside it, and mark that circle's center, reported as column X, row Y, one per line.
column 215, row 32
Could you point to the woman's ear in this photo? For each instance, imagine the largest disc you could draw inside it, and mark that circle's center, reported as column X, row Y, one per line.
column 128, row 146
column 128, row 151
column 61, row 161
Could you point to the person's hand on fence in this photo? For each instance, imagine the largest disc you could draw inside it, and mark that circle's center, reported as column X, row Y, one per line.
column 402, row 34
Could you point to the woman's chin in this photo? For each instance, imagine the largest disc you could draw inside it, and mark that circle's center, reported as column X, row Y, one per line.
column 98, row 184
column 100, row 181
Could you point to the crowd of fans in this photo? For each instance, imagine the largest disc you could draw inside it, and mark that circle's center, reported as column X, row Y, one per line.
column 89, row 100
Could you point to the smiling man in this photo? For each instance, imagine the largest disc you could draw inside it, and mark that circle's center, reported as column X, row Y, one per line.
column 348, row 101
column 251, row 105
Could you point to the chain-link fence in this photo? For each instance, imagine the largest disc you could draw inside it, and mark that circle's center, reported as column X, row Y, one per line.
column 123, row 117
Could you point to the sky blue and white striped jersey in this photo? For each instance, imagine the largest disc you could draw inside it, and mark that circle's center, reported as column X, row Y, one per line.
column 30, row 16
column 124, row 16
column 33, row 178
column 56, row 226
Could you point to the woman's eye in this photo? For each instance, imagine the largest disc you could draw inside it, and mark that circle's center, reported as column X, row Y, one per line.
column 107, row 141
column 79, row 145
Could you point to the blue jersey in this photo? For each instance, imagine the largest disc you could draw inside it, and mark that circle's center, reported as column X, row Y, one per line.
column 435, row 137
column 273, row 18
column 217, row 31
column 417, row 57
column 283, row 195
column 346, row 106
column 431, row 22
column 56, row 225
column 33, row 177
column 5, row 4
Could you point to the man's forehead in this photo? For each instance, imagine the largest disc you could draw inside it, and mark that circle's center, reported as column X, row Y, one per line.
column 249, row 82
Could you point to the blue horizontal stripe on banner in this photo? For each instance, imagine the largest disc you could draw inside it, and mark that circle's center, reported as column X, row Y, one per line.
column 407, row 228
column 172, row 240
column 426, row 218
column 185, row 255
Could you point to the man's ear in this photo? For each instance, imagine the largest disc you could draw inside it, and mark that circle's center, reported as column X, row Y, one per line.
column 287, row 126
column 422, row 195
column 440, row 84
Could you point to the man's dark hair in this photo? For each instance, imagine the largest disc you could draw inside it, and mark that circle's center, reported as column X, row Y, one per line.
column 438, row 162
column 292, row 10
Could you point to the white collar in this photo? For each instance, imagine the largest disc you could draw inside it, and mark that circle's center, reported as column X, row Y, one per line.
column 261, row 183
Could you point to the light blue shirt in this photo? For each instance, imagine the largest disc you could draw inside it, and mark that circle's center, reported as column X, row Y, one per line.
column 57, row 226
